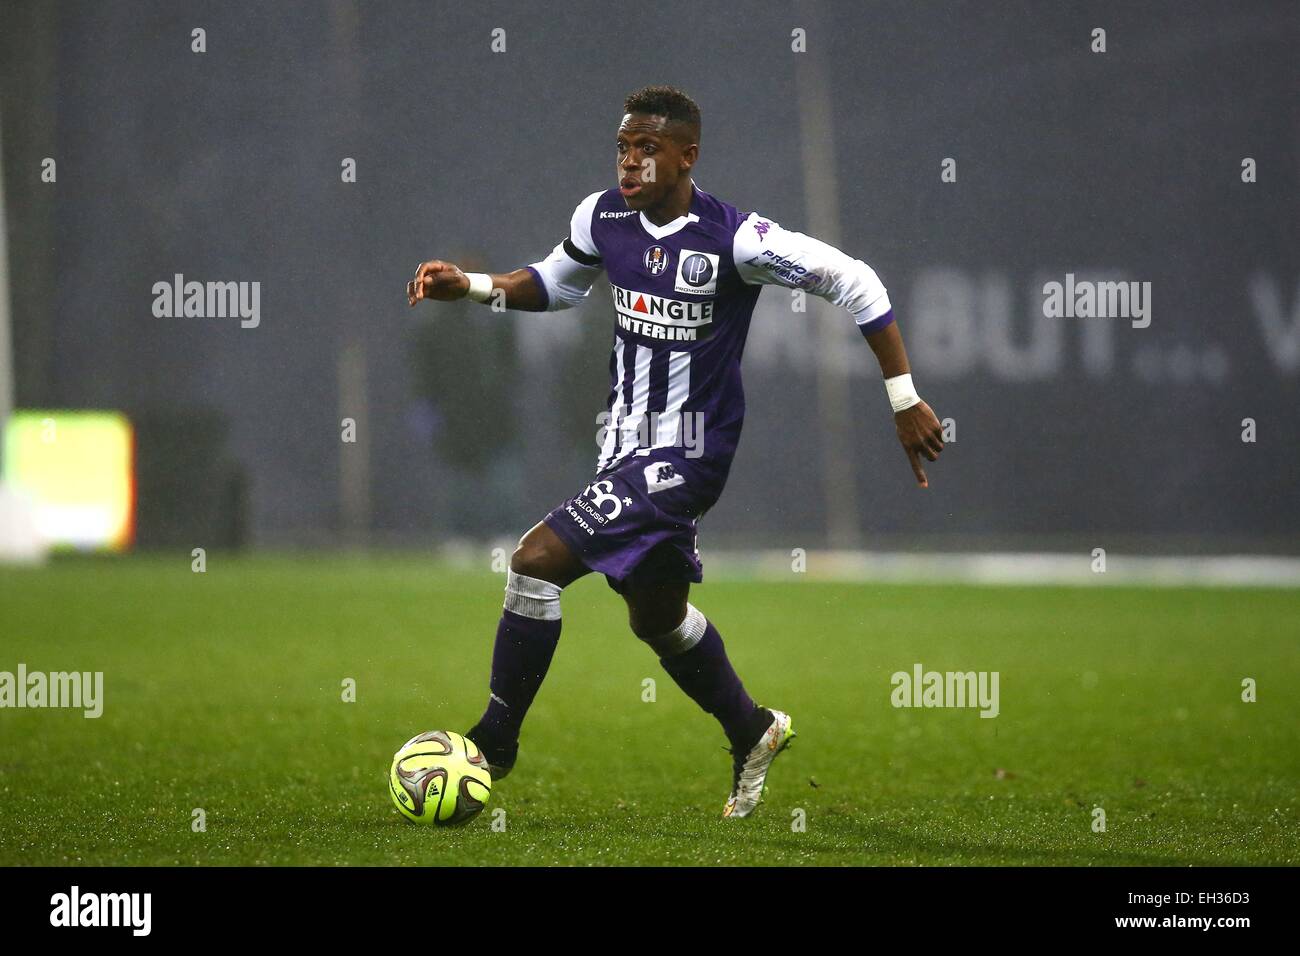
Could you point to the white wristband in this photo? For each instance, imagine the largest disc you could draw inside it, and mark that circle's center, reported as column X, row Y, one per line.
column 902, row 394
column 480, row 286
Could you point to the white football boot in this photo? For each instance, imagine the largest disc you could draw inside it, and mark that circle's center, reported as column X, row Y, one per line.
column 750, row 770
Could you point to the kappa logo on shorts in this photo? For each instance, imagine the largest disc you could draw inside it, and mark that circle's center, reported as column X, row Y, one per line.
column 661, row 476
column 697, row 272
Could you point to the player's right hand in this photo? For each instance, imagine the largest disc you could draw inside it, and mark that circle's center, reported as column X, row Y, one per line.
column 922, row 435
column 436, row 280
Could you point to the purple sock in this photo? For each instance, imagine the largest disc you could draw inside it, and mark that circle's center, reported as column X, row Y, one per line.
column 520, row 658
column 708, row 678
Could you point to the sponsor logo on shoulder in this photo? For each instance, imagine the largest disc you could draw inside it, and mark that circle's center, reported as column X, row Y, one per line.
column 697, row 273
column 786, row 269
column 606, row 214
column 761, row 227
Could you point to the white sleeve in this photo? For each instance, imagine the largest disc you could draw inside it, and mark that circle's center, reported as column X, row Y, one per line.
column 766, row 254
column 568, row 272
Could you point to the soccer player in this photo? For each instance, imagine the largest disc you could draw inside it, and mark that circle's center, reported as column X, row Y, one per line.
column 685, row 270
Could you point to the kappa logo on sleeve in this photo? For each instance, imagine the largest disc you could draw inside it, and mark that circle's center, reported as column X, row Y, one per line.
column 697, row 272
column 661, row 476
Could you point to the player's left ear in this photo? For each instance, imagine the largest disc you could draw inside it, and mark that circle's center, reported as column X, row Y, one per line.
column 689, row 155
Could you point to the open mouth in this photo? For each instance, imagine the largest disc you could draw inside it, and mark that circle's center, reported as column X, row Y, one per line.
column 629, row 187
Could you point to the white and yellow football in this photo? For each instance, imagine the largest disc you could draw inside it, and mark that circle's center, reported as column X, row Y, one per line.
column 441, row 778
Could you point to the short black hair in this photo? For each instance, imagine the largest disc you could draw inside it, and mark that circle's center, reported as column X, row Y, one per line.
column 670, row 103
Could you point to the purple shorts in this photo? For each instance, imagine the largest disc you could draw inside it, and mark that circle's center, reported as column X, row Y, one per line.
column 640, row 516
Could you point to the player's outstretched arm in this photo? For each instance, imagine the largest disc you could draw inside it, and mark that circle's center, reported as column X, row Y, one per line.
column 445, row 282
column 918, row 428
column 560, row 281
column 767, row 254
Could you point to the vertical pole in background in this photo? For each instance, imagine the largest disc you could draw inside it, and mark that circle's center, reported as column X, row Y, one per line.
column 7, row 394
column 354, row 456
column 830, row 325
column 353, row 369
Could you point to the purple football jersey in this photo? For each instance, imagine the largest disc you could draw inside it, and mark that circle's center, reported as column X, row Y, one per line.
column 681, row 315
column 682, row 296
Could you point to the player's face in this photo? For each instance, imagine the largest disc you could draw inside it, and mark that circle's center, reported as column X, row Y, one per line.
column 650, row 161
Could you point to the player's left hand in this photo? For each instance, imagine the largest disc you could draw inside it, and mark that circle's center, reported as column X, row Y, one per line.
column 921, row 434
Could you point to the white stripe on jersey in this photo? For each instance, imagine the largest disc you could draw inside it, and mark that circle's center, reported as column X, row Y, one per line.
column 580, row 224
column 615, row 410
column 629, row 431
column 679, row 387
column 568, row 282
column 623, row 432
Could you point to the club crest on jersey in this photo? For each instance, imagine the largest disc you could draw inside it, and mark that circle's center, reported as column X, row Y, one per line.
column 655, row 260
column 697, row 273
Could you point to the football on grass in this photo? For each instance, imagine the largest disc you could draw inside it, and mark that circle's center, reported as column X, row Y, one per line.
column 441, row 778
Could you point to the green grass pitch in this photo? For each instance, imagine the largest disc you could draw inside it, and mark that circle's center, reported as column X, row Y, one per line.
column 223, row 692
